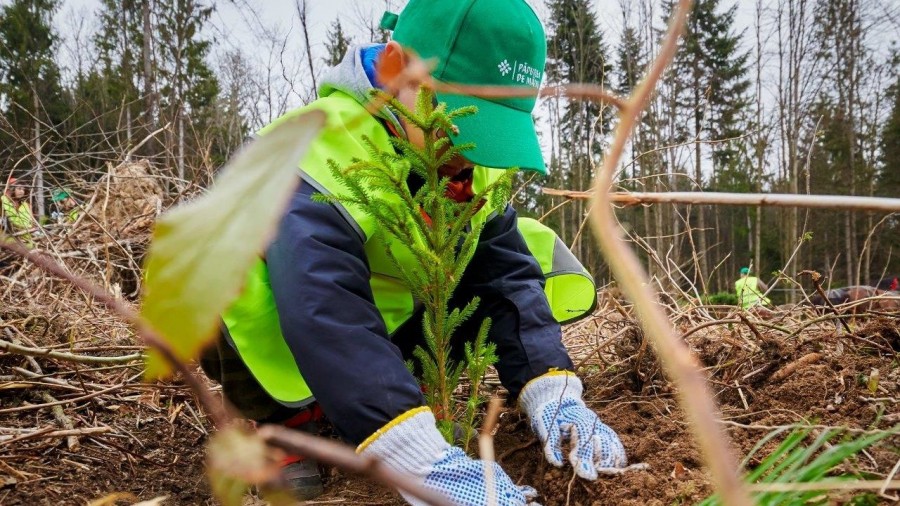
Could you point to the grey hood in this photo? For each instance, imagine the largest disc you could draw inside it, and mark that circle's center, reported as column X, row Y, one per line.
column 350, row 77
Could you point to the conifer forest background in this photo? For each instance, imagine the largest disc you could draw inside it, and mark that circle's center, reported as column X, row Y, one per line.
column 780, row 96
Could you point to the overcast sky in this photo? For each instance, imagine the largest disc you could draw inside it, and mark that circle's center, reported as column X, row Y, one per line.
column 242, row 24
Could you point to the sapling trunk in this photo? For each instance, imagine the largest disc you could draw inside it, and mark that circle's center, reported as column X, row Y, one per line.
column 434, row 228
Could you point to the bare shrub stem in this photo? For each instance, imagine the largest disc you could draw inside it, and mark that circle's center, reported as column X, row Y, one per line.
column 693, row 391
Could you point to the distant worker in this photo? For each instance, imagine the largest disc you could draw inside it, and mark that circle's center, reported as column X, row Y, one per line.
column 67, row 210
column 888, row 282
column 17, row 215
column 750, row 290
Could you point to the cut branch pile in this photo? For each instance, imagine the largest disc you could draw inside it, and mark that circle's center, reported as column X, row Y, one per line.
column 105, row 244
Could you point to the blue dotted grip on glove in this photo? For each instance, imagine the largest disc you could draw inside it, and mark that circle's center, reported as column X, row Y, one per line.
column 594, row 445
column 411, row 444
column 462, row 480
column 557, row 413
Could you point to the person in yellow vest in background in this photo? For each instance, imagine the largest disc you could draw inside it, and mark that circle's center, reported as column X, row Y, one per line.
column 67, row 207
column 750, row 290
column 16, row 211
column 325, row 324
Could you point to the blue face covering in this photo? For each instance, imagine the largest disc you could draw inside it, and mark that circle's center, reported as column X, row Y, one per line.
column 368, row 55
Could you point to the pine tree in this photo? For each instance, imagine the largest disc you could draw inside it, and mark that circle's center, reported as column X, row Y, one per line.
column 630, row 65
column 188, row 87
column 576, row 53
column 631, row 62
column 31, row 95
column 841, row 31
column 119, row 41
column 712, row 99
column 433, row 229
column 888, row 183
column 336, row 43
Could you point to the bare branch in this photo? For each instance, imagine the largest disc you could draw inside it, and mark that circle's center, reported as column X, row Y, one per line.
column 836, row 202
column 576, row 91
column 69, row 357
column 693, row 391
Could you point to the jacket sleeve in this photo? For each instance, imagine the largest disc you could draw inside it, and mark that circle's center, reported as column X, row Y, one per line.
column 509, row 281
column 320, row 280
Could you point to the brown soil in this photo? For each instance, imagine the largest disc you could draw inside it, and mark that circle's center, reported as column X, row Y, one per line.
column 155, row 434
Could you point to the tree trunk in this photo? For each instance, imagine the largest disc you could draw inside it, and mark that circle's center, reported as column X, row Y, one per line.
column 180, row 144
column 127, row 70
column 147, row 55
column 760, row 143
column 39, row 161
column 848, row 248
column 304, row 26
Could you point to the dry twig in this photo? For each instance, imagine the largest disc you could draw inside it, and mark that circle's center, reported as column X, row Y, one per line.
column 344, row 457
column 679, row 363
column 836, row 202
column 791, row 368
column 69, row 357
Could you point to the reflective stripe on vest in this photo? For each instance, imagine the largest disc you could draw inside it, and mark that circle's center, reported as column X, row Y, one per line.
column 569, row 286
column 252, row 320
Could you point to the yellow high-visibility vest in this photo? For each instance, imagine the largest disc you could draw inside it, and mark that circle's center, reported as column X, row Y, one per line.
column 252, row 320
column 748, row 293
column 19, row 217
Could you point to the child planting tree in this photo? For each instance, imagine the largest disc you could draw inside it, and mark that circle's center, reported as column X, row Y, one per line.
column 430, row 225
column 336, row 304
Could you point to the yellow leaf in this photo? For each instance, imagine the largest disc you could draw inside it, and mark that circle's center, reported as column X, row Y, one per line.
column 201, row 251
column 235, row 460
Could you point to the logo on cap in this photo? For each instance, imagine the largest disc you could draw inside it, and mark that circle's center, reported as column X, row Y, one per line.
column 522, row 73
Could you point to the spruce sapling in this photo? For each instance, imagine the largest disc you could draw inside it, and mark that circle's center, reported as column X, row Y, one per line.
column 436, row 230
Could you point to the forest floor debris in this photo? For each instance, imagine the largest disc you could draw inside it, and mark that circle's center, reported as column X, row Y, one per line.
column 72, row 432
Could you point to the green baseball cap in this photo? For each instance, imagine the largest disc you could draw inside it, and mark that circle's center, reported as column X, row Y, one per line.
column 487, row 43
column 745, row 270
column 59, row 194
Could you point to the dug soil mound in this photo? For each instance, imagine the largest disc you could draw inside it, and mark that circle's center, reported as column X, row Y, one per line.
column 77, row 424
column 813, row 376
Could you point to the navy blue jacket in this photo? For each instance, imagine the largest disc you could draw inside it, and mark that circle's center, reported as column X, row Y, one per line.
column 320, row 279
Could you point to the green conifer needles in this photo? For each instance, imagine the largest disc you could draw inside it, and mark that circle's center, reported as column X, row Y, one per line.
column 440, row 235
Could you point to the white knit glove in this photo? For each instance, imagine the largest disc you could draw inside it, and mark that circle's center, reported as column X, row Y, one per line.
column 412, row 445
column 557, row 413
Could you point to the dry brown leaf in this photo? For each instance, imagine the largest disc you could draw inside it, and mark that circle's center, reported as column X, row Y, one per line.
column 679, row 472
column 237, row 458
column 112, row 499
